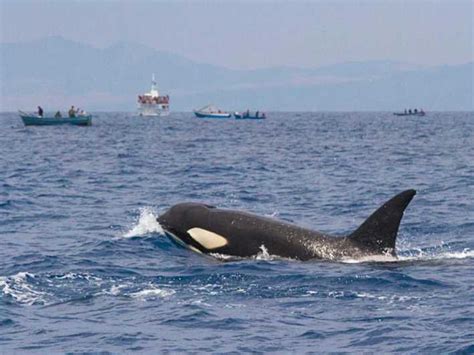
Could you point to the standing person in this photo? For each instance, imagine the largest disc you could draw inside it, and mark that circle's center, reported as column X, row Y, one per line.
column 40, row 111
column 72, row 112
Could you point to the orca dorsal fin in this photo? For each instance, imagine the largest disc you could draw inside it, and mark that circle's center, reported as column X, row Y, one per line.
column 378, row 233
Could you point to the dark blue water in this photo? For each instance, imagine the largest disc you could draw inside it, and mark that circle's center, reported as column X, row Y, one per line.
column 84, row 266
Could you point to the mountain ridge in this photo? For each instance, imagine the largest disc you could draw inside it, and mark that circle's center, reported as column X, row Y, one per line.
column 55, row 69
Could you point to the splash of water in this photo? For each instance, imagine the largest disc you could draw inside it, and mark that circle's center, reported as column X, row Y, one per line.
column 263, row 254
column 145, row 224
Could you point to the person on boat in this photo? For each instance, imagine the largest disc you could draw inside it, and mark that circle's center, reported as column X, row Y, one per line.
column 40, row 111
column 416, row 111
column 72, row 112
column 58, row 115
column 256, row 114
column 405, row 111
column 409, row 111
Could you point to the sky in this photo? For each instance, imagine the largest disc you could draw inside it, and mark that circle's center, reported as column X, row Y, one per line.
column 258, row 34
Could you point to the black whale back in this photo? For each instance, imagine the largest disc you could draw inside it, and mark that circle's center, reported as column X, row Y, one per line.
column 208, row 229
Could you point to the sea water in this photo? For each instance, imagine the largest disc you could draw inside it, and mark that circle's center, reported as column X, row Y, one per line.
column 84, row 266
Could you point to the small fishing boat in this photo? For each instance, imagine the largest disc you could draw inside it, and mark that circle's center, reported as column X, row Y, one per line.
column 211, row 111
column 248, row 116
column 30, row 119
column 417, row 113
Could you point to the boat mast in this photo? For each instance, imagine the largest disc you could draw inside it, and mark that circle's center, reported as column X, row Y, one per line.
column 154, row 91
column 153, row 82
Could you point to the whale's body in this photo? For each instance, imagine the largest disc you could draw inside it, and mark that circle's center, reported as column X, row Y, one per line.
column 210, row 230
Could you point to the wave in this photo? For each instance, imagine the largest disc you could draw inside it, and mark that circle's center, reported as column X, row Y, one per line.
column 18, row 288
column 29, row 289
column 145, row 224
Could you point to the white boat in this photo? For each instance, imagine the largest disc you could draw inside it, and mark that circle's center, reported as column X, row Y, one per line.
column 247, row 115
column 211, row 111
column 152, row 104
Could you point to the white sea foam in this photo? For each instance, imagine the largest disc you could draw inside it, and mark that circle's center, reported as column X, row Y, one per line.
column 372, row 259
column 201, row 302
column 225, row 257
column 20, row 290
column 419, row 255
column 114, row 290
column 369, row 296
column 389, row 298
column 82, row 276
column 443, row 255
column 145, row 224
column 153, row 292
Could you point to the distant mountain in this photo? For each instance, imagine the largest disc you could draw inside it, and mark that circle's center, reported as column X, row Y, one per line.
column 56, row 73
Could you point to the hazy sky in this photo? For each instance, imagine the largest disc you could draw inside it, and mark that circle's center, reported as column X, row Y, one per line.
column 254, row 34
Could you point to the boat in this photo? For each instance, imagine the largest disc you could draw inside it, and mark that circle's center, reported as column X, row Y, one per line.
column 211, row 111
column 31, row 119
column 248, row 116
column 152, row 103
column 412, row 113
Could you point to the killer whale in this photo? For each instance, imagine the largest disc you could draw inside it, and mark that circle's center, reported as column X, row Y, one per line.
column 210, row 230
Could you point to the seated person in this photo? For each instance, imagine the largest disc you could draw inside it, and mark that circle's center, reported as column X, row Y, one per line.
column 72, row 112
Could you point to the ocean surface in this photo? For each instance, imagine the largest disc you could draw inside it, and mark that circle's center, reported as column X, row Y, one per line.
column 84, row 266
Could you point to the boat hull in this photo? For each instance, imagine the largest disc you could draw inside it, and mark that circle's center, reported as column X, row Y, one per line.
column 152, row 110
column 239, row 116
column 409, row 114
column 154, row 114
column 53, row 121
column 212, row 115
